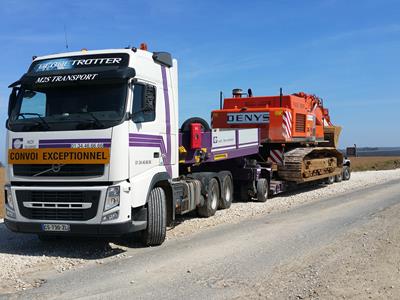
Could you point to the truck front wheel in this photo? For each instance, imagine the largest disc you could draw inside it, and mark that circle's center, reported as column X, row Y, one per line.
column 210, row 205
column 155, row 232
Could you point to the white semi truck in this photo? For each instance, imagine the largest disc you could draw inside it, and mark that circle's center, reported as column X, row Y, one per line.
column 94, row 148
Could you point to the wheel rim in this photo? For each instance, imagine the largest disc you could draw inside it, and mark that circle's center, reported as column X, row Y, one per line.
column 214, row 198
column 228, row 193
column 266, row 191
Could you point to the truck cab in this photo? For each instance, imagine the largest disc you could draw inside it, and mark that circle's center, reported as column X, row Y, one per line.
column 89, row 135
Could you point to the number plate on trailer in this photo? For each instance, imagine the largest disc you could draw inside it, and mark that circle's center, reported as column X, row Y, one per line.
column 56, row 227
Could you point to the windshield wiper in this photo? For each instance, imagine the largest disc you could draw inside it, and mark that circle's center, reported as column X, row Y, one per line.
column 95, row 120
column 42, row 120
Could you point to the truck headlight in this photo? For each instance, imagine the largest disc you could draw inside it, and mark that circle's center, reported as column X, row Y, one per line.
column 112, row 198
column 9, row 200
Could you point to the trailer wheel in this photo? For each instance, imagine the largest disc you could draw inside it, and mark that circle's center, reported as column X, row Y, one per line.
column 155, row 232
column 262, row 190
column 210, row 205
column 339, row 177
column 330, row 180
column 346, row 173
column 226, row 193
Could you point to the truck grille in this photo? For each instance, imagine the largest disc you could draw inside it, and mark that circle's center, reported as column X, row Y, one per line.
column 59, row 170
column 58, row 205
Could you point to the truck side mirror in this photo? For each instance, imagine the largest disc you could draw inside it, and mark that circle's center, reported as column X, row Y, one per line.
column 12, row 100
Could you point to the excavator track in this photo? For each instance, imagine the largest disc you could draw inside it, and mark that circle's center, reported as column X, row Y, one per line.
column 312, row 163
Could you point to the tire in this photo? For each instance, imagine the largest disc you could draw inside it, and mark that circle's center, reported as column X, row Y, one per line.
column 226, row 192
column 262, row 190
column 155, row 232
column 210, row 205
column 330, row 180
column 338, row 177
column 346, row 173
column 186, row 125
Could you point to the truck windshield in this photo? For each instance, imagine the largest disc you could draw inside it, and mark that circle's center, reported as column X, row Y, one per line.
column 69, row 108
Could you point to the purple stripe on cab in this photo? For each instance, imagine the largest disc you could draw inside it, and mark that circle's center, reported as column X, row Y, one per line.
column 105, row 145
column 64, row 141
column 167, row 120
column 140, row 135
column 148, row 144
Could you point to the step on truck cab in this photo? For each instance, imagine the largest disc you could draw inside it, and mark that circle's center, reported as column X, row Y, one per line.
column 94, row 148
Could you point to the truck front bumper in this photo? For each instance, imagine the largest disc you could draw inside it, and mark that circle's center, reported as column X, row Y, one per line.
column 109, row 230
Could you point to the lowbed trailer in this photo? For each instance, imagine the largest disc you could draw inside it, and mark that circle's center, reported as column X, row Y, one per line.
column 94, row 148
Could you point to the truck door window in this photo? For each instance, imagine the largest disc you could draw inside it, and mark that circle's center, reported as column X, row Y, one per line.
column 144, row 103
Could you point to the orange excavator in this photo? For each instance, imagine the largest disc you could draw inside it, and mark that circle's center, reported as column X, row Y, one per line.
column 297, row 137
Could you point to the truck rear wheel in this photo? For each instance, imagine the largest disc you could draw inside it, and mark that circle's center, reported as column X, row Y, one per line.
column 210, row 205
column 262, row 190
column 226, row 193
column 346, row 173
column 155, row 232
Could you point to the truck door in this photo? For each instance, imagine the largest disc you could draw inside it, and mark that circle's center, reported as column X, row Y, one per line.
column 147, row 135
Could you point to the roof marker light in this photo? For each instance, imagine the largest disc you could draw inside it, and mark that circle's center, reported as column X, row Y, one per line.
column 143, row 46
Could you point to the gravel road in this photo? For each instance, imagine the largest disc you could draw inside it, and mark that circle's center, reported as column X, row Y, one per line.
column 26, row 262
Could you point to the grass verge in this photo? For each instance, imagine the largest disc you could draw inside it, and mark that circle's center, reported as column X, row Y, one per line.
column 375, row 163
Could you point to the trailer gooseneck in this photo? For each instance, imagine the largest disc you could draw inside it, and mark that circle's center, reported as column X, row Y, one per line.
column 94, row 147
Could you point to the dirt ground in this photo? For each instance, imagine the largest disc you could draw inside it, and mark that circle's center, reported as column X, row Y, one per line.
column 2, row 180
column 363, row 264
column 340, row 247
column 375, row 163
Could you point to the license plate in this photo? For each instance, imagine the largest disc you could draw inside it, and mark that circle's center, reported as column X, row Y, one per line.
column 56, row 227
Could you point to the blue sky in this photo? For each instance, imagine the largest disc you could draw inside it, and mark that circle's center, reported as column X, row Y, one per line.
column 347, row 52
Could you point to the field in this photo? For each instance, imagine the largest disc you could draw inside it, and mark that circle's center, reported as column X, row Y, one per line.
column 358, row 164
column 375, row 163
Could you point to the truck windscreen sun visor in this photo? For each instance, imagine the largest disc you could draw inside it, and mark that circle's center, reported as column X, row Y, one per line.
column 84, row 69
